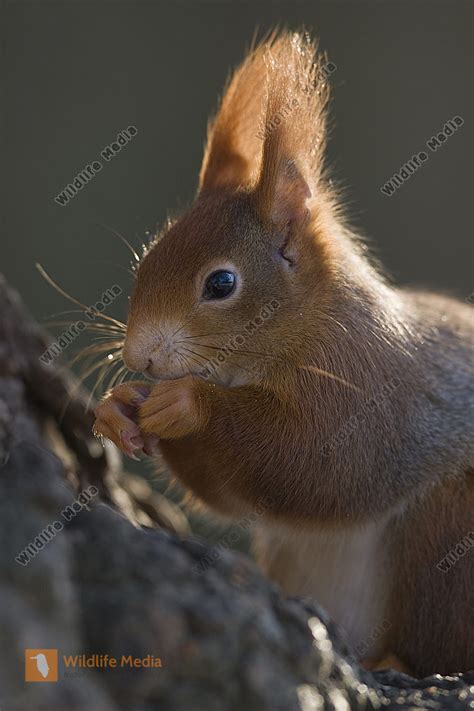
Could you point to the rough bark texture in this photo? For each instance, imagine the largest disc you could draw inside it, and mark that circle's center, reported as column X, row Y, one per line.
column 226, row 638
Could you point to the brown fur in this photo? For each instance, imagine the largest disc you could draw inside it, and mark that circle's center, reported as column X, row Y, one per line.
column 269, row 423
column 441, row 602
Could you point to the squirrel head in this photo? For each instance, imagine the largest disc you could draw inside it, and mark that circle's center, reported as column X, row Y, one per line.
column 233, row 283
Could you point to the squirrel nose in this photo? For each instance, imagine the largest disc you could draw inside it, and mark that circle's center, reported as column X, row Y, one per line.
column 137, row 358
column 135, row 361
column 150, row 364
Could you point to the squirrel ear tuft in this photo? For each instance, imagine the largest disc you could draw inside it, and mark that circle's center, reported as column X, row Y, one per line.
column 293, row 130
column 269, row 132
column 233, row 150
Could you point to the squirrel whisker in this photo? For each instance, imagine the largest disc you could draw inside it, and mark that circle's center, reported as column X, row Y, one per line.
column 122, row 238
column 101, row 328
column 64, row 293
column 96, row 348
column 327, row 374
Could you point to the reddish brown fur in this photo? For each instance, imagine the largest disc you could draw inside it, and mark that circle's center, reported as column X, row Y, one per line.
column 258, row 429
column 431, row 529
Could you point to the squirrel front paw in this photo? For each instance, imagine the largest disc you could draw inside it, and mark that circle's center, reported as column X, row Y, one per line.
column 117, row 419
column 173, row 409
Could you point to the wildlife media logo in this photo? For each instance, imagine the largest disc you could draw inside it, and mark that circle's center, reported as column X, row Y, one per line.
column 41, row 664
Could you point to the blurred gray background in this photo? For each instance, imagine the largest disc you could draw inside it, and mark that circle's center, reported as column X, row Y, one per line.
column 77, row 73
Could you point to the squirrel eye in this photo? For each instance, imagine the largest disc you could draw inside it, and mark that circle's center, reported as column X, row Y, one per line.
column 219, row 285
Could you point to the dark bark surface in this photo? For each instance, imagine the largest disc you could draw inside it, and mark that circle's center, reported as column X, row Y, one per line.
column 226, row 638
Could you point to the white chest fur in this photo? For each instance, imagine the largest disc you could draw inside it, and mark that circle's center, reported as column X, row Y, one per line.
column 345, row 571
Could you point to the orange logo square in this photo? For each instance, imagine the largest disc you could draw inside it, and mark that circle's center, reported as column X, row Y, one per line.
column 41, row 664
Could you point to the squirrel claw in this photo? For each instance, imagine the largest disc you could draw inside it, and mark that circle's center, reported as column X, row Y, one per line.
column 151, row 445
column 131, row 443
column 117, row 418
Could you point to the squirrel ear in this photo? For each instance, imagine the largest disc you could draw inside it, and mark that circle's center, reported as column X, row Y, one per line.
column 226, row 169
column 233, row 149
column 281, row 197
column 294, row 131
column 269, row 131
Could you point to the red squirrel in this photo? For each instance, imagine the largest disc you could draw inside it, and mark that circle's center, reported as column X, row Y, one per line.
column 284, row 373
